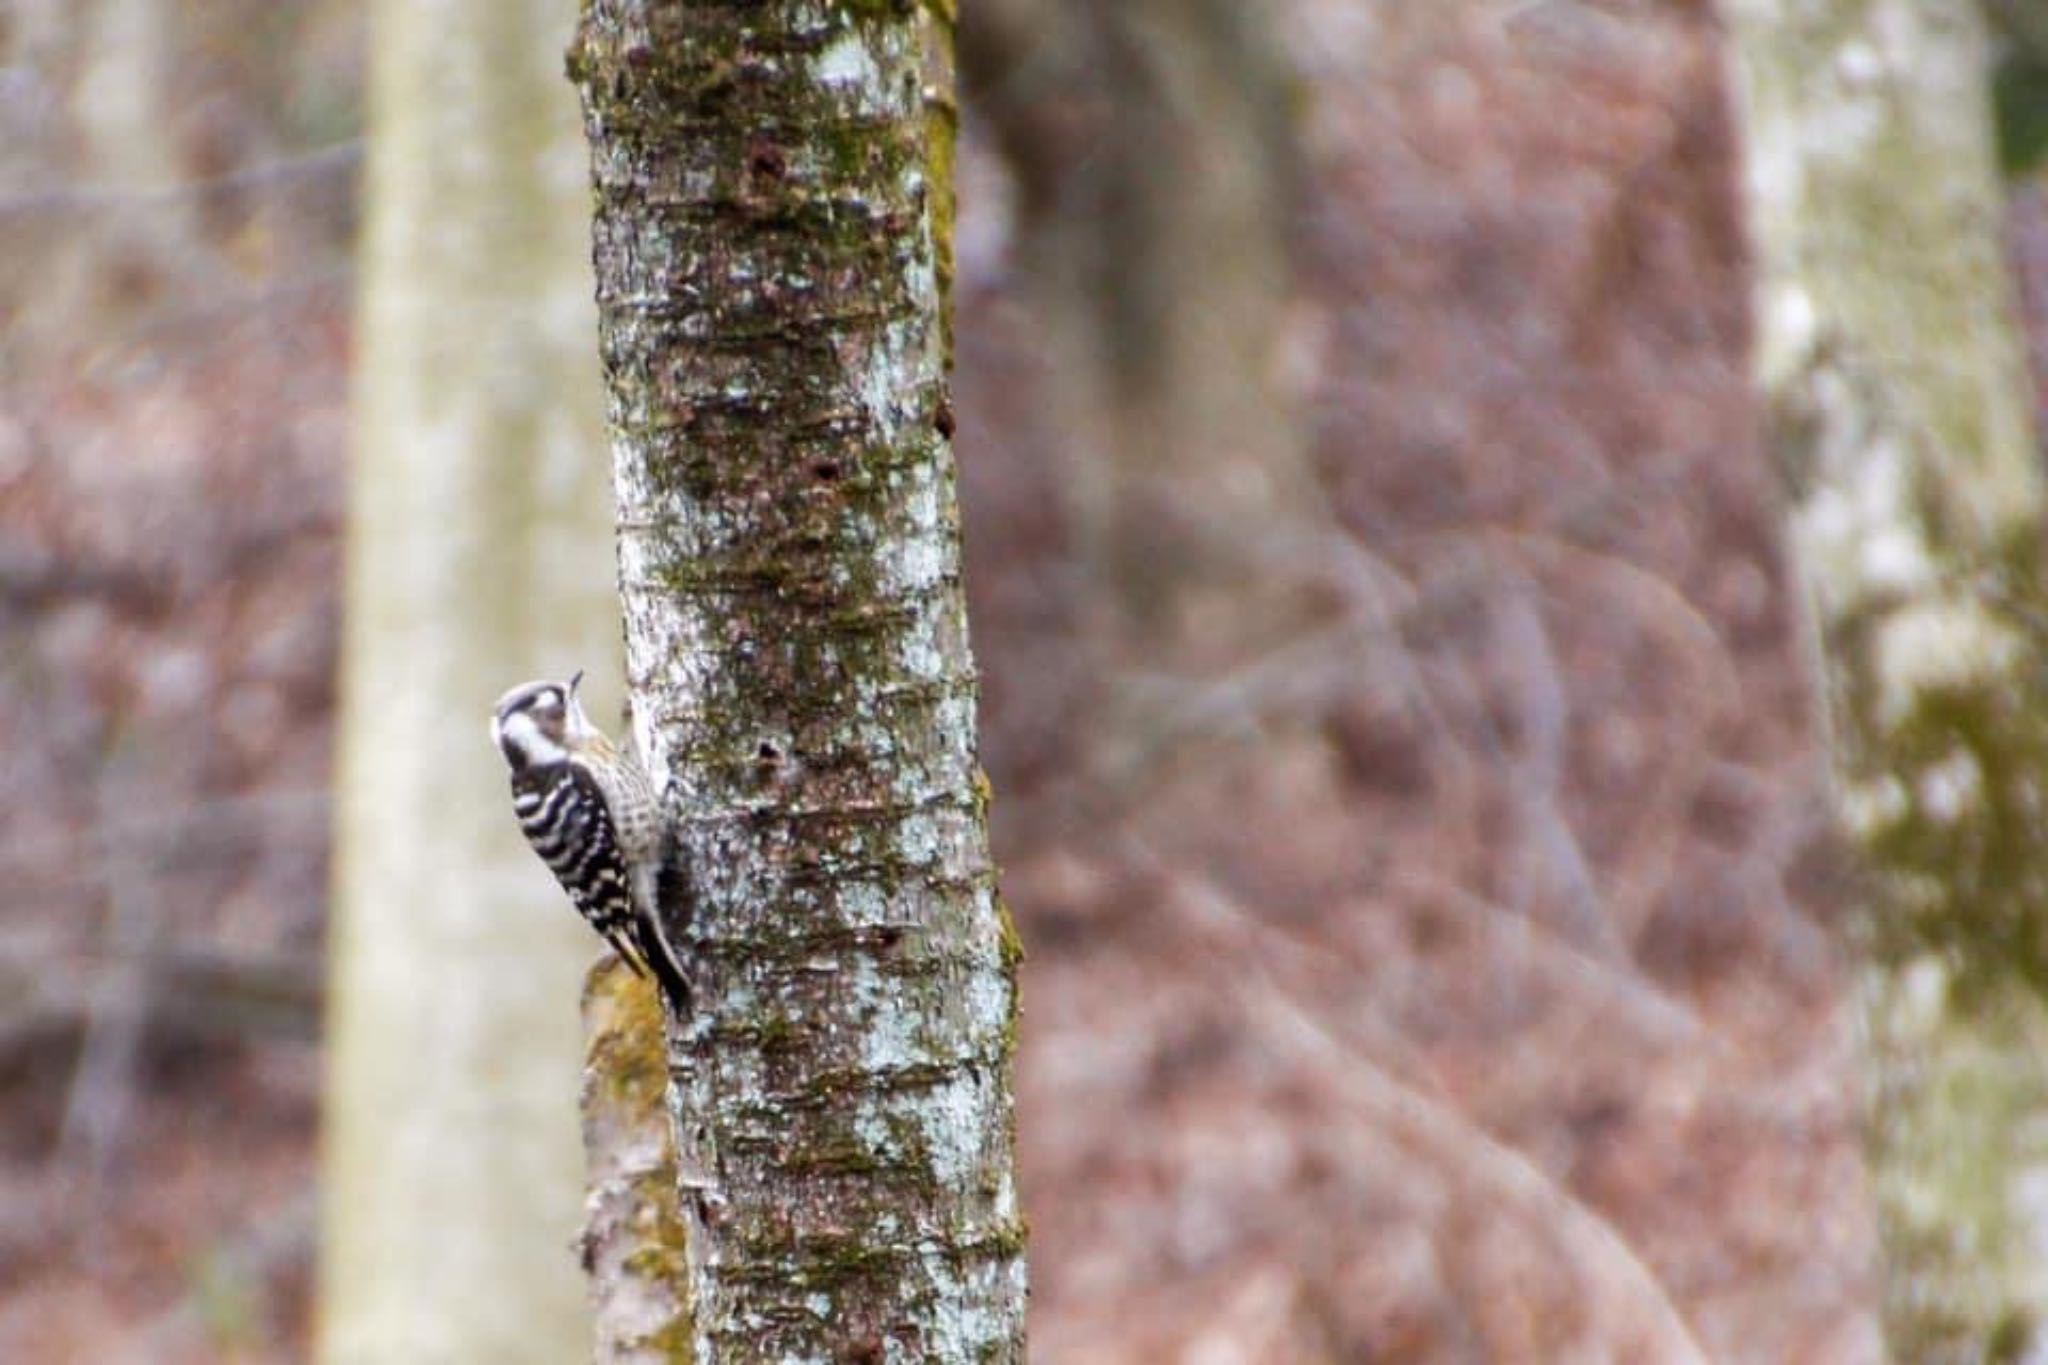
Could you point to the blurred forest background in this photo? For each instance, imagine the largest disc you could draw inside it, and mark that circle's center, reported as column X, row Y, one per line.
column 1408, row 781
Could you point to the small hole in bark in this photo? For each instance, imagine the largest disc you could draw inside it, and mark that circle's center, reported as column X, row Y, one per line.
column 766, row 160
column 889, row 936
column 826, row 471
column 767, row 753
column 942, row 420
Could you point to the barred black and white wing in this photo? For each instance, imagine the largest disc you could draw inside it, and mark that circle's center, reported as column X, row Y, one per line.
column 564, row 815
column 653, row 867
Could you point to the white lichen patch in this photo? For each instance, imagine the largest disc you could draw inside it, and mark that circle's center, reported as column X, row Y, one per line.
column 846, row 64
column 920, row 647
column 918, row 558
column 921, row 561
column 899, row 358
column 862, row 65
column 1919, row 995
column 987, row 1000
column 974, row 1306
column 1791, row 324
column 1859, row 529
column 892, row 1040
column 1870, row 808
column 1859, row 65
column 1949, row 790
column 1843, row 129
column 863, row 903
column 952, row 1120
column 918, row 839
column 871, row 1126
column 1938, row 644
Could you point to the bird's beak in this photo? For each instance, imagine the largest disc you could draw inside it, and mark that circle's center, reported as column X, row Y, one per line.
column 575, row 681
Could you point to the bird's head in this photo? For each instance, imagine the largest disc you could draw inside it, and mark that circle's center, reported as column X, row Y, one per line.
column 540, row 723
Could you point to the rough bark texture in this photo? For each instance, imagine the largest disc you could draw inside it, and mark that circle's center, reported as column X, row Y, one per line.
column 633, row 1237
column 1897, row 406
column 478, row 539
column 773, row 189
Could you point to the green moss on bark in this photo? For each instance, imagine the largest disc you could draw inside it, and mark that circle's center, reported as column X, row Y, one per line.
column 772, row 237
column 635, row 1244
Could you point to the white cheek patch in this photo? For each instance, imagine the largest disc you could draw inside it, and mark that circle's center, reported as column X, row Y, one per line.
column 525, row 736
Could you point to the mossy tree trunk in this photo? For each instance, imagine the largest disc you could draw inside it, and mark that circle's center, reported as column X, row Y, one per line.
column 773, row 187
column 1897, row 407
column 634, row 1243
column 479, row 530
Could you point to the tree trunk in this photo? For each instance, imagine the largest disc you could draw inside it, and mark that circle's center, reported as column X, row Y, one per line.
column 1897, row 409
column 1154, row 145
column 634, row 1244
column 478, row 539
column 1205, row 502
column 773, row 188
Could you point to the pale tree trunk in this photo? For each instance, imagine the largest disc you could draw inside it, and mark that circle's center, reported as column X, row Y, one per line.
column 479, row 548
column 1153, row 143
column 773, row 218
column 1203, row 500
column 1897, row 408
column 116, row 62
column 122, row 104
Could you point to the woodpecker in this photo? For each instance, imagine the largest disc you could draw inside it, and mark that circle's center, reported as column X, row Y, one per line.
column 591, row 814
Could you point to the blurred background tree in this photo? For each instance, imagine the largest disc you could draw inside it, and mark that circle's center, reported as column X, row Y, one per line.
column 479, row 556
column 1896, row 409
column 1155, row 160
column 1500, row 1013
